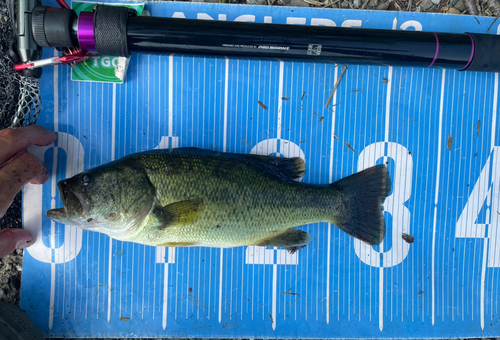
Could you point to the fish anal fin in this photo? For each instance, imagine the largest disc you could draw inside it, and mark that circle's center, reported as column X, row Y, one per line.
column 291, row 240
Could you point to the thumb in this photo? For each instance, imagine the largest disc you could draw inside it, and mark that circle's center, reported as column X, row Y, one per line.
column 12, row 239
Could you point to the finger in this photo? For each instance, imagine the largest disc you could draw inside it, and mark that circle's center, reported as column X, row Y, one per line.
column 12, row 239
column 15, row 174
column 15, row 140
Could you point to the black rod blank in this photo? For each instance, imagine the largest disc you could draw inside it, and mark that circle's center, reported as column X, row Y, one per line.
column 464, row 52
column 340, row 45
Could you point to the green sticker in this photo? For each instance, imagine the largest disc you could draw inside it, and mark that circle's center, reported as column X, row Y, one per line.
column 98, row 68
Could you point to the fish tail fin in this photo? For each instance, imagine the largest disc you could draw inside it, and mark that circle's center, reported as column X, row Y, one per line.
column 361, row 213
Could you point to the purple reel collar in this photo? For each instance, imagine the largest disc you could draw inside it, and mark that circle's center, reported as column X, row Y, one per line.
column 86, row 37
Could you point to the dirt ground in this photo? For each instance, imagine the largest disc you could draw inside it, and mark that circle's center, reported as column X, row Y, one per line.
column 11, row 266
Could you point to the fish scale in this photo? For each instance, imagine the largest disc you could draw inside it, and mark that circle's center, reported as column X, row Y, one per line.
column 247, row 204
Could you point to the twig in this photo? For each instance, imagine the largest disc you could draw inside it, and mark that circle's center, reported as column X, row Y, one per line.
column 401, row 4
column 335, row 87
column 478, row 6
column 288, row 292
column 330, row 108
column 443, row 4
column 331, row 4
column 409, row 6
column 365, row 4
column 314, row 2
column 349, row 146
column 244, row 141
column 449, row 141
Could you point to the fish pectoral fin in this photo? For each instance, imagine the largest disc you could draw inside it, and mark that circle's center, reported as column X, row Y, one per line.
column 291, row 240
column 178, row 213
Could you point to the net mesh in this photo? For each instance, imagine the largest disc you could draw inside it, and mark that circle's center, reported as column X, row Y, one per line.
column 20, row 102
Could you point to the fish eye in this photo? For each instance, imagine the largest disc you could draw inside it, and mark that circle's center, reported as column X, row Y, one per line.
column 85, row 180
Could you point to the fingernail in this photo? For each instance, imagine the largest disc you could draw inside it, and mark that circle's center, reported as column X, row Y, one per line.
column 43, row 177
column 24, row 243
column 23, row 238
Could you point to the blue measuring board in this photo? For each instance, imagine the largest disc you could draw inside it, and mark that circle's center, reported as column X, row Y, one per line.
column 437, row 130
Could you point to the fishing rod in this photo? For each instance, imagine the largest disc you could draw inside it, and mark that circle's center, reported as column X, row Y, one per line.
column 119, row 31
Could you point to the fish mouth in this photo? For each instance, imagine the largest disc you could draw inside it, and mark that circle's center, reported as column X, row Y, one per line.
column 74, row 205
column 72, row 199
column 58, row 215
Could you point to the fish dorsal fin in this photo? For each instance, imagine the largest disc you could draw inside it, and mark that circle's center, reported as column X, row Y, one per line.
column 291, row 240
column 178, row 213
column 283, row 168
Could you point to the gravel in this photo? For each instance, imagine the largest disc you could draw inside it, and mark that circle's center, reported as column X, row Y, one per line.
column 10, row 266
column 460, row 5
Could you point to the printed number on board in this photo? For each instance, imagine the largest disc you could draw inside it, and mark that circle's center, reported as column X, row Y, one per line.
column 33, row 198
column 394, row 204
column 486, row 191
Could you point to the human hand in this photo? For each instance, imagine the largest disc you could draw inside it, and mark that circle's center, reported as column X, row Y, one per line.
column 17, row 168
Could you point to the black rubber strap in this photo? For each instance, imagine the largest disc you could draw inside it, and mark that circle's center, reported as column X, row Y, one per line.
column 486, row 53
column 110, row 30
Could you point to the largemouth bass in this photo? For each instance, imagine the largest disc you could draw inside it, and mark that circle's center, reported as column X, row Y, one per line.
column 195, row 197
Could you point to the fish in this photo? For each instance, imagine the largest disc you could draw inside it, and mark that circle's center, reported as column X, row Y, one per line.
column 186, row 197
